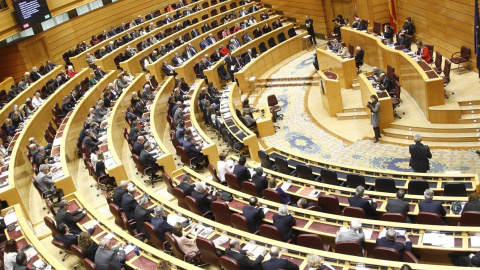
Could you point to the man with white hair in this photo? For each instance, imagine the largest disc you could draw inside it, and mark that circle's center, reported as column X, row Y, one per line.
column 355, row 233
column 376, row 73
column 430, row 206
column 284, row 223
column 46, row 183
column 142, row 214
column 147, row 93
column 201, row 196
column 159, row 222
column 118, row 193
column 359, row 201
column 419, row 155
column 389, row 242
column 235, row 252
column 107, row 258
column 276, row 263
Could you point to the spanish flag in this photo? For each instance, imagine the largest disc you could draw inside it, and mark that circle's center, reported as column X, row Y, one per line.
column 393, row 15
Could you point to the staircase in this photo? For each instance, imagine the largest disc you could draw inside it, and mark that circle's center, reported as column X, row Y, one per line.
column 352, row 105
column 470, row 112
column 355, row 84
column 352, row 113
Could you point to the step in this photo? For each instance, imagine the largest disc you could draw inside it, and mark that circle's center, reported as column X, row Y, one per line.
column 469, row 118
column 352, row 115
column 434, row 136
column 445, row 128
column 467, row 103
column 470, row 109
column 359, row 109
column 447, row 145
column 356, row 86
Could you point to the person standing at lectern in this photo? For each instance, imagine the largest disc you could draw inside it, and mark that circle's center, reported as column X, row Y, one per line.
column 419, row 155
column 311, row 32
column 374, row 106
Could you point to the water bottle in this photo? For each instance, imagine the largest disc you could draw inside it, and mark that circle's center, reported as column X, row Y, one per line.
column 137, row 252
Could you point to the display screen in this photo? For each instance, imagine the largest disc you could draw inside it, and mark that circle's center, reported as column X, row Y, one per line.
column 31, row 12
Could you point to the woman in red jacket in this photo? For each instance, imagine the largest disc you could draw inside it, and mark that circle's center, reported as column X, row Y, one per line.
column 423, row 52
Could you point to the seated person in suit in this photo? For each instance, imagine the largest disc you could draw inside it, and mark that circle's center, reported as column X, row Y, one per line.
column 465, row 259
column 46, row 183
column 398, row 205
column 423, row 52
column 360, row 202
column 87, row 245
column 272, row 184
column 159, row 222
column 284, row 223
column 388, row 33
column 185, row 186
column 142, row 214
column 260, row 180
column 192, row 151
column 473, row 204
column 21, row 262
column 249, row 56
column 385, row 83
column 129, row 203
column 276, row 263
column 376, row 72
column 69, row 218
column 139, row 145
column 168, row 69
column 254, row 214
column 388, row 241
column 360, row 25
column 355, row 233
column 64, row 236
column 302, row 203
column 201, row 196
column 359, row 56
column 430, row 206
column 235, row 252
column 118, row 193
column 109, row 258
column 147, row 159
column 408, row 27
column 403, row 40
column 333, row 45
column 241, row 170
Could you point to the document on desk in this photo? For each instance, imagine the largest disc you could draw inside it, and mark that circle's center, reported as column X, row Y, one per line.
column 265, row 210
column 57, row 141
column 224, row 109
column 129, row 248
column 205, row 232
column 286, row 186
column 10, row 217
column 440, row 240
column 109, row 236
column 368, row 233
column 172, row 219
column 314, row 193
column 220, row 240
column 475, row 241
column 227, row 115
column 249, row 247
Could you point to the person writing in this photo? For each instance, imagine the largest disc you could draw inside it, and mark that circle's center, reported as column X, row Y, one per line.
column 374, row 106
column 423, row 52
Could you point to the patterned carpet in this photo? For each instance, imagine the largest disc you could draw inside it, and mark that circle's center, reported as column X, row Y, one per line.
column 299, row 134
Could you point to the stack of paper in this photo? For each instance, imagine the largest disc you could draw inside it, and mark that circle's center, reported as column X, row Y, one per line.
column 205, row 232
column 314, row 193
column 172, row 219
column 285, row 186
column 220, row 240
column 440, row 240
column 10, row 217
column 475, row 241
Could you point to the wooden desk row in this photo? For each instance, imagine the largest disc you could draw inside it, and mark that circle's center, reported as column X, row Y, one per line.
column 292, row 252
column 326, row 225
column 6, row 83
column 149, row 256
column 185, row 70
column 133, row 64
column 78, row 61
column 436, row 181
column 108, row 63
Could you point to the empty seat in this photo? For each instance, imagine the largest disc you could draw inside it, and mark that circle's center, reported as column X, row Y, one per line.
column 271, row 42
column 429, row 218
column 455, row 190
column 329, row 204
column 385, row 185
column 355, row 180
column 351, row 211
column 305, row 172
column 281, row 37
column 282, row 165
column 265, row 160
column 329, row 177
column 417, row 187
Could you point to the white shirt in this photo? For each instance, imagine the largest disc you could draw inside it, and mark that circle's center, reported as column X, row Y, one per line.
column 93, row 160
column 223, row 168
column 36, row 102
column 9, row 260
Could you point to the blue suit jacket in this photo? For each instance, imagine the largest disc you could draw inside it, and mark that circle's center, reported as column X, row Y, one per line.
column 431, row 206
column 242, row 173
column 161, row 226
column 401, row 247
column 254, row 217
column 276, row 263
column 370, row 209
column 128, row 205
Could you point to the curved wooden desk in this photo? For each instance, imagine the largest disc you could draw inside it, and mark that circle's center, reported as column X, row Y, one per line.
column 344, row 67
column 6, row 83
column 425, row 91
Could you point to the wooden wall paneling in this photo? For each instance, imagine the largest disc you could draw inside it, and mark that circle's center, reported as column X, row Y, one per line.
column 13, row 64
column 34, row 51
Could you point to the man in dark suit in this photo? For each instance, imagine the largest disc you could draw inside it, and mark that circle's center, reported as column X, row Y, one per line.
column 177, row 60
column 12, row 93
column 260, row 181
column 69, row 218
column 167, row 19
column 35, row 75
column 419, row 155
column 264, row 16
column 246, row 38
column 168, row 69
column 211, row 39
column 239, row 255
column 142, row 214
column 204, row 44
column 109, row 258
column 216, row 56
column 241, row 170
column 90, row 140
column 201, row 196
column 49, row 66
column 430, row 206
column 66, row 105
column 359, row 57
column 129, row 203
column 118, row 193
column 195, row 33
column 311, row 31
column 65, row 236
column 147, row 159
column 112, row 31
column 386, row 83
column 302, row 203
column 275, row 263
column 185, row 186
column 21, row 262
column 284, row 223
column 254, row 214
column 403, row 40
column 202, row 67
column 360, row 202
column 138, row 145
column 159, row 222
column 389, row 242
column 398, row 205
column 231, row 64
column 253, row 8
column 192, row 151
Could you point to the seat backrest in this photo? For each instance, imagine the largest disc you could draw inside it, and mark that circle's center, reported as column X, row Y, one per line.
column 229, row 263
column 429, row 218
column 61, row 245
column 50, row 207
column 271, row 42
column 174, row 244
column 465, row 52
column 291, row 32
column 137, row 162
column 270, row 231
column 221, row 212
column 232, row 181
column 282, row 165
column 265, row 159
column 455, row 190
column 446, row 68
column 377, row 27
column 385, row 185
column 389, row 254
column 77, row 251
column 329, row 177
column 349, row 248
column 351, row 49
column 305, row 172
column 262, row 47
column 417, row 187
column 330, row 204
column 193, row 205
column 272, row 195
column 89, row 265
column 250, row 188
column 209, row 252
column 168, row 182
column 240, row 222
column 213, row 173
column 179, row 194
column 115, row 210
column 430, row 49
column 355, row 180
column 51, row 225
column 470, row 218
column 351, row 211
column 129, row 224
column 310, row 241
column 438, row 59
column 394, row 217
column 281, row 37
column 155, row 241
column 183, row 155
